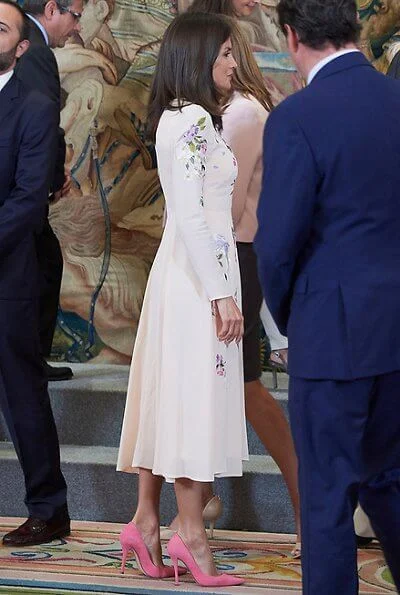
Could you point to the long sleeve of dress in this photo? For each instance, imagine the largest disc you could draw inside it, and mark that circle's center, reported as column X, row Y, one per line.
column 191, row 152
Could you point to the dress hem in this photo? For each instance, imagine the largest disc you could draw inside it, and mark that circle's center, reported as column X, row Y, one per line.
column 172, row 478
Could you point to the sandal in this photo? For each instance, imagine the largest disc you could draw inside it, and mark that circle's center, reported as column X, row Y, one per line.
column 296, row 551
column 278, row 362
column 278, row 359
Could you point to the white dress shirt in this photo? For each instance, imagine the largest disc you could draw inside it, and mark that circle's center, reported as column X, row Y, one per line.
column 4, row 78
column 319, row 65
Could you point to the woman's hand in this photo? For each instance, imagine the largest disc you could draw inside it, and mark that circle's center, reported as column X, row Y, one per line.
column 229, row 320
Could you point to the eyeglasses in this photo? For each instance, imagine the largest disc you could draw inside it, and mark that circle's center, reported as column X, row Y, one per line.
column 76, row 15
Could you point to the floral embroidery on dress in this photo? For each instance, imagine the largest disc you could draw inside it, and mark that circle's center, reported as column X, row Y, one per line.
column 233, row 155
column 193, row 150
column 220, row 364
column 221, row 252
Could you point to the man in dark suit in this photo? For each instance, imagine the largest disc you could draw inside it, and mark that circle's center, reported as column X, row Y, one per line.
column 28, row 124
column 328, row 246
column 50, row 24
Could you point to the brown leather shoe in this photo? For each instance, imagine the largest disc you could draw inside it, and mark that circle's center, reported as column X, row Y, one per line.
column 35, row 531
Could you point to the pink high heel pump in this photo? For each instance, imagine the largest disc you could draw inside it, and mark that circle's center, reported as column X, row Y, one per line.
column 132, row 541
column 178, row 550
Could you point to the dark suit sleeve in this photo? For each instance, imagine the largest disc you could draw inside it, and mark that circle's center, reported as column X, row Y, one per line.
column 285, row 210
column 37, row 68
column 25, row 207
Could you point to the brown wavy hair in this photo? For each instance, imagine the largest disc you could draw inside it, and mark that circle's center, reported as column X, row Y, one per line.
column 247, row 78
column 224, row 7
column 184, row 71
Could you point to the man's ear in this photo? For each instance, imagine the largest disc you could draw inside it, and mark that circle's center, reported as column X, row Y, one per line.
column 22, row 47
column 49, row 9
column 292, row 39
column 384, row 6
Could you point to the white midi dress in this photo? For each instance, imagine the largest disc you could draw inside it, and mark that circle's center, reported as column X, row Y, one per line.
column 184, row 414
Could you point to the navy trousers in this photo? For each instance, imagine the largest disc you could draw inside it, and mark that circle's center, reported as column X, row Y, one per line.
column 25, row 404
column 347, row 438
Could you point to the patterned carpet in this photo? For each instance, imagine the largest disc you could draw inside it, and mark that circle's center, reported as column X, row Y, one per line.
column 88, row 562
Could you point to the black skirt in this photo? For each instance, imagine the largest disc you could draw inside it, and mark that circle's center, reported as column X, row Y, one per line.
column 251, row 304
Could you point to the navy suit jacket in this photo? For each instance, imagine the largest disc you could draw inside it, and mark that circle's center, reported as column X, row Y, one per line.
column 28, row 141
column 328, row 241
column 37, row 68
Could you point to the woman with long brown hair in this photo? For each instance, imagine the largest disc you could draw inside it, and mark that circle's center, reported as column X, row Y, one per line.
column 184, row 418
column 248, row 105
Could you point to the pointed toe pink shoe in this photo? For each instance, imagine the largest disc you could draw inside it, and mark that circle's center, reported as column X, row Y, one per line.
column 132, row 541
column 178, row 550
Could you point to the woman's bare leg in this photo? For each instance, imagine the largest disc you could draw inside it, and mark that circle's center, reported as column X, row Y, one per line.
column 147, row 515
column 272, row 428
column 189, row 497
column 206, row 495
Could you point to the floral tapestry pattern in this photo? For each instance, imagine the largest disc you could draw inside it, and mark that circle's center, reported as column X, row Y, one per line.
column 110, row 224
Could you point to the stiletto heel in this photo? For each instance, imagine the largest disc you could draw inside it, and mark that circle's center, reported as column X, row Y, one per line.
column 211, row 527
column 175, row 565
column 275, row 377
column 123, row 562
column 178, row 550
column 211, row 513
column 131, row 540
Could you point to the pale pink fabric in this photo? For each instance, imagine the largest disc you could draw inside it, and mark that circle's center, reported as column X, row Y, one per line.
column 243, row 128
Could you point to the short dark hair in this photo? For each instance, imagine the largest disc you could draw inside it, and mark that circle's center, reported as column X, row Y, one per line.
column 24, row 25
column 213, row 7
column 184, row 71
column 34, row 7
column 321, row 22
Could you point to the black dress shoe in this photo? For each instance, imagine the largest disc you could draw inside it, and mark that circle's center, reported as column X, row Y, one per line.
column 363, row 541
column 57, row 373
column 36, row 531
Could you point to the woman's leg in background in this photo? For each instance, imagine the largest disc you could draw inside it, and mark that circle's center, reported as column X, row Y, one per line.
column 206, row 495
column 278, row 342
column 272, row 428
column 262, row 411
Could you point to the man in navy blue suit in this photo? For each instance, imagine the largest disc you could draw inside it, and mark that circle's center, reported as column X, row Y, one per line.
column 28, row 142
column 328, row 246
